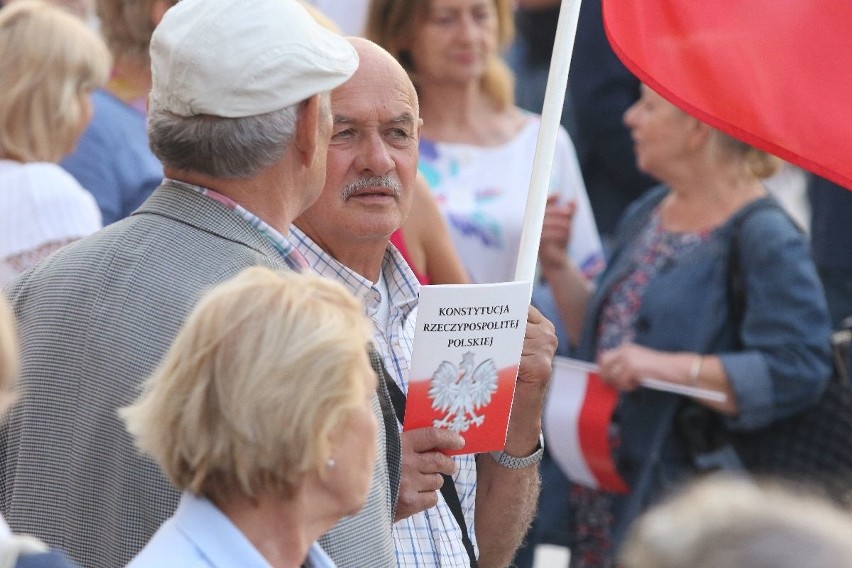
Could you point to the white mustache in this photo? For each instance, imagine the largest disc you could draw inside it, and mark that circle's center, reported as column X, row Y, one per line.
column 386, row 182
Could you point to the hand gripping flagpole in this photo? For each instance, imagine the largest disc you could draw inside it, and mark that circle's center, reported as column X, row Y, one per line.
column 554, row 98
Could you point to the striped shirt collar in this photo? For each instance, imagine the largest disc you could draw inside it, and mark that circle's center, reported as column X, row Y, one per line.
column 403, row 287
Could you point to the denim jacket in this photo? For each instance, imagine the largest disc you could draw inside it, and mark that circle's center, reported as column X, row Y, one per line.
column 778, row 361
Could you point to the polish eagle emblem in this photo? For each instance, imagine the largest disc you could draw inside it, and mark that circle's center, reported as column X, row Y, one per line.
column 458, row 392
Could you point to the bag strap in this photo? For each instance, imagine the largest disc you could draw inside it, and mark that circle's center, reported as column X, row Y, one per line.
column 736, row 281
column 448, row 489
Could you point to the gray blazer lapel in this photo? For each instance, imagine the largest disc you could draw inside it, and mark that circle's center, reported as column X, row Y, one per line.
column 205, row 214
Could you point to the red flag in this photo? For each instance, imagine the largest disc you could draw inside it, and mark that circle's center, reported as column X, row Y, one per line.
column 775, row 74
column 576, row 425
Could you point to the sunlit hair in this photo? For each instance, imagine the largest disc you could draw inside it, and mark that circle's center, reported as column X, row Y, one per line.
column 761, row 164
column 392, row 25
column 8, row 355
column 127, row 26
column 263, row 370
column 51, row 61
column 726, row 522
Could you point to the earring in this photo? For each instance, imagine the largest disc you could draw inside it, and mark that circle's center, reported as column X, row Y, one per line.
column 330, row 463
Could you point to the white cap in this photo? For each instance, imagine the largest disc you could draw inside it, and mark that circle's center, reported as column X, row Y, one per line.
column 235, row 58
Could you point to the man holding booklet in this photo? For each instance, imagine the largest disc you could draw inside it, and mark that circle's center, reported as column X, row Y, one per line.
column 371, row 169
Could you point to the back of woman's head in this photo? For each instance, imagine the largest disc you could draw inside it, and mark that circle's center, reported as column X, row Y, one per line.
column 394, row 23
column 724, row 522
column 264, row 368
column 50, row 62
column 127, row 26
column 760, row 164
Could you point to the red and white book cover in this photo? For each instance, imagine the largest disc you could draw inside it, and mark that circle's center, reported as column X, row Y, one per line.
column 467, row 348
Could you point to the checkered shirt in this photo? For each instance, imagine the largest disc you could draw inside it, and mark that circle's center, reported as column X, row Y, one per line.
column 431, row 538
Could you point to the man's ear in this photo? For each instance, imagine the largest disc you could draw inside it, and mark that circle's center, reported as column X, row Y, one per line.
column 308, row 130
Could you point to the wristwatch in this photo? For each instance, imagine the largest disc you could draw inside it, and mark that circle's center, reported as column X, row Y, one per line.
column 511, row 462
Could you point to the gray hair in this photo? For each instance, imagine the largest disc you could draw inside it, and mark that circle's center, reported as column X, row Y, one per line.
column 221, row 147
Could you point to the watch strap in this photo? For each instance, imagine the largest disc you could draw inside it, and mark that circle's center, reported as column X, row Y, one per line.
column 505, row 460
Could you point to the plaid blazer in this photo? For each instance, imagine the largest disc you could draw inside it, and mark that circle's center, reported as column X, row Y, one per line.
column 94, row 319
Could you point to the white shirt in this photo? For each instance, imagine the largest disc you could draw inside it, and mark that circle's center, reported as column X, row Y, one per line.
column 40, row 204
column 482, row 192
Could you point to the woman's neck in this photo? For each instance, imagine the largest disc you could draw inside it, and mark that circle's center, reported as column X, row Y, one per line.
column 466, row 115
column 709, row 200
column 281, row 530
column 130, row 81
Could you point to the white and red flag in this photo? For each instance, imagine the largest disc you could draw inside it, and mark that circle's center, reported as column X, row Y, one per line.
column 775, row 74
column 578, row 421
column 576, row 425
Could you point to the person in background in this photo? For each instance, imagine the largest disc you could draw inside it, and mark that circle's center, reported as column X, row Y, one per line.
column 424, row 241
column 369, row 191
column 477, row 147
column 113, row 160
column 662, row 310
column 45, row 104
column 831, row 210
column 261, row 414
column 242, row 126
column 725, row 521
column 599, row 90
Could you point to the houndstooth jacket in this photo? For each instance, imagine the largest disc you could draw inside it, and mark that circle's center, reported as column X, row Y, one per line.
column 94, row 320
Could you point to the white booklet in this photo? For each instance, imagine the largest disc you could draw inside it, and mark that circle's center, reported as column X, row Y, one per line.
column 467, row 349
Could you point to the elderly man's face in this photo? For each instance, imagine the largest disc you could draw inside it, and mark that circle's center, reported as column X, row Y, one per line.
column 372, row 157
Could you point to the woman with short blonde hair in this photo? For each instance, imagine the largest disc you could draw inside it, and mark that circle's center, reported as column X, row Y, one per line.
column 261, row 412
column 51, row 63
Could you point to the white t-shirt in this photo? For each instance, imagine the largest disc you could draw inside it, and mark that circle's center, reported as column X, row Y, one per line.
column 482, row 192
column 40, row 204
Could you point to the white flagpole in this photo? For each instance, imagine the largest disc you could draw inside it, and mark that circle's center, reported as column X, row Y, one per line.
column 554, row 99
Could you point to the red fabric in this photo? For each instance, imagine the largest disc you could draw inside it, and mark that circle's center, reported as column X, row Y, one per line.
column 399, row 242
column 594, row 422
column 777, row 75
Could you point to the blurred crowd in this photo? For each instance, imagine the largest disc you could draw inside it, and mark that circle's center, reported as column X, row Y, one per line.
column 215, row 220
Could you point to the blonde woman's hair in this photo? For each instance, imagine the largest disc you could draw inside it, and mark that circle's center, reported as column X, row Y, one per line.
column 51, row 62
column 761, row 164
column 392, row 25
column 8, row 355
column 721, row 522
column 263, row 370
